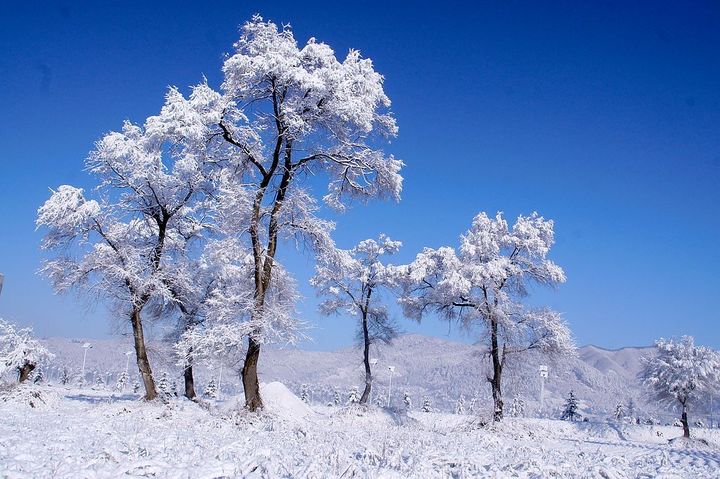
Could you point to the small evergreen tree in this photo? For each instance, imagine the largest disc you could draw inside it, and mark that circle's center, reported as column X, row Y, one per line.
column 570, row 410
column 164, row 384
column 305, row 394
column 136, row 387
column 173, row 387
column 426, row 405
column 354, row 396
column 407, row 400
column 211, row 389
column 39, row 376
column 99, row 382
column 336, row 397
column 64, row 377
column 460, row 405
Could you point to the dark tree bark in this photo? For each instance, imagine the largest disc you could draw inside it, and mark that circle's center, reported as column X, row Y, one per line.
column 189, row 380
column 366, row 350
column 141, row 354
column 24, row 371
column 496, row 379
column 684, row 420
column 253, row 400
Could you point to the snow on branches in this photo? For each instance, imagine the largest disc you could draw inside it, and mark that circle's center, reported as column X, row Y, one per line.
column 680, row 373
column 482, row 286
column 19, row 350
column 352, row 280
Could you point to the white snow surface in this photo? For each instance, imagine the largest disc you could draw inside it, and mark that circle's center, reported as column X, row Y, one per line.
column 86, row 433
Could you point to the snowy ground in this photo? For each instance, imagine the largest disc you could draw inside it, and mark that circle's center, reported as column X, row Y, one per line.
column 85, row 433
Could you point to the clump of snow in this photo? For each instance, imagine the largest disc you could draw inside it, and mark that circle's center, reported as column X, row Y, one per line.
column 281, row 402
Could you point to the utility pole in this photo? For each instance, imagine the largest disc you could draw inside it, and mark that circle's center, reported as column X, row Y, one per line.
column 127, row 362
column 543, row 375
column 85, row 346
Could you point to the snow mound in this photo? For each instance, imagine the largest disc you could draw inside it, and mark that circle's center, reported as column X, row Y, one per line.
column 30, row 395
column 280, row 401
column 691, row 443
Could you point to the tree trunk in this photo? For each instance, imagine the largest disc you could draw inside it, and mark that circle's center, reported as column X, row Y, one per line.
column 366, row 358
column 24, row 371
column 250, row 377
column 495, row 381
column 684, row 420
column 141, row 356
column 189, row 379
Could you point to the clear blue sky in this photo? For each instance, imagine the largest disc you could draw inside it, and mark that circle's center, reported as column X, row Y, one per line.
column 603, row 116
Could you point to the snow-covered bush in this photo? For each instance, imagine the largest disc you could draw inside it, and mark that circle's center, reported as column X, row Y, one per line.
column 354, row 395
column 20, row 352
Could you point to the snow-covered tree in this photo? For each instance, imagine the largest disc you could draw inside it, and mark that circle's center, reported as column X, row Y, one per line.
column 482, row 286
column 619, row 412
column 353, row 282
column 407, row 400
column 286, row 113
column 336, row 398
column 218, row 289
column 305, row 393
column 20, row 351
column 117, row 247
column 211, row 389
column 136, row 387
column 460, row 405
column 426, row 405
column 99, row 381
column 39, row 375
column 354, row 395
column 517, row 409
column 570, row 409
column 680, row 373
column 122, row 381
column 64, row 377
column 163, row 384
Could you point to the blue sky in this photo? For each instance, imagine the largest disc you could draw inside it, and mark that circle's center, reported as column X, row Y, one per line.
column 603, row 116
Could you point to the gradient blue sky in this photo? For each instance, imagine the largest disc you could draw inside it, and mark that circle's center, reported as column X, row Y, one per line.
column 603, row 116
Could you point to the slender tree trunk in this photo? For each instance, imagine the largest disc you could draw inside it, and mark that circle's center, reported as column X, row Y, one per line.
column 496, row 380
column 189, row 379
column 366, row 358
column 684, row 420
column 141, row 355
column 24, row 371
column 250, row 378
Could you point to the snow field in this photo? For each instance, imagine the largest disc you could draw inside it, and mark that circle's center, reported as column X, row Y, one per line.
column 85, row 434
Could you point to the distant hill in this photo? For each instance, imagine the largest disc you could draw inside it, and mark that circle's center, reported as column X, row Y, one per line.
column 424, row 366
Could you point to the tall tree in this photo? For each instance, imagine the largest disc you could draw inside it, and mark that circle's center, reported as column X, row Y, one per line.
column 483, row 284
column 354, row 280
column 288, row 113
column 680, row 373
column 118, row 246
